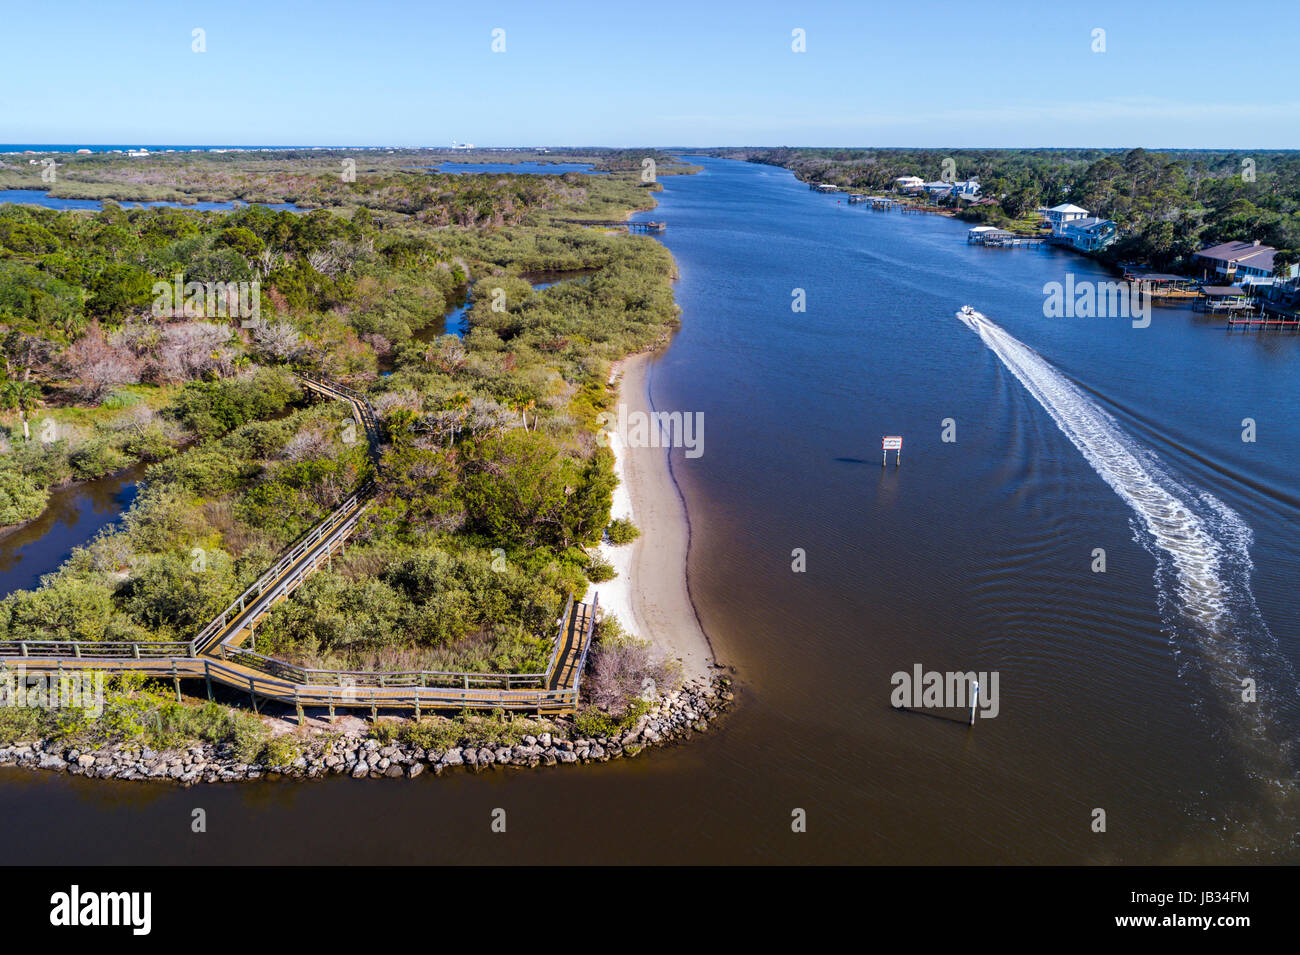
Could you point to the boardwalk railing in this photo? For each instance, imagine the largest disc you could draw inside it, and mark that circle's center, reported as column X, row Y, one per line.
column 95, row 650
column 343, row 517
column 353, row 695
column 562, row 623
column 398, row 678
column 364, row 412
column 586, row 646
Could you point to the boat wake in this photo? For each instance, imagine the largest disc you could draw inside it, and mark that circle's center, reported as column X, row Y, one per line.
column 1167, row 510
column 1201, row 546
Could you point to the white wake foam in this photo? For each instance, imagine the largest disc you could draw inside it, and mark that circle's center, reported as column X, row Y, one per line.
column 1166, row 508
column 1203, row 572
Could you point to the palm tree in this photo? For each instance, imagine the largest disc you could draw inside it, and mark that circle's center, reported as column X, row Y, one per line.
column 23, row 396
column 459, row 404
column 523, row 405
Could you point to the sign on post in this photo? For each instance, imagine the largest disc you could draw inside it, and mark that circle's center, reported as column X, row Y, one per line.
column 891, row 443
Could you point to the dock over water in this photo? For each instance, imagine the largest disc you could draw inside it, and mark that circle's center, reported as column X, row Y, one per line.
column 614, row 224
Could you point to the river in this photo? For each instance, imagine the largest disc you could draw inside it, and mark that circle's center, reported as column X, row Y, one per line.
column 74, row 514
column 1118, row 690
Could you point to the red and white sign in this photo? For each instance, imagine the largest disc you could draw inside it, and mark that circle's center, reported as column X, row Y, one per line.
column 892, row 443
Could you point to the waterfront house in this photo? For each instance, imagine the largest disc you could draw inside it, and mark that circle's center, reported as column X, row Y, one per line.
column 968, row 189
column 909, row 183
column 1058, row 216
column 1241, row 263
column 938, row 190
column 1088, row 233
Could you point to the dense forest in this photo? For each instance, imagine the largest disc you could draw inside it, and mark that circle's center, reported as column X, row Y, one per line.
column 491, row 483
column 1167, row 203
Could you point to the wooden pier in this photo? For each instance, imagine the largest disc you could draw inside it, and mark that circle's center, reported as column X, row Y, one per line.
column 1002, row 239
column 1280, row 321
column 613, row 224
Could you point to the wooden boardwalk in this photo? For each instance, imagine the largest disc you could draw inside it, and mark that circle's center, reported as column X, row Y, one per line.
column 574, row 641
column 219, row 652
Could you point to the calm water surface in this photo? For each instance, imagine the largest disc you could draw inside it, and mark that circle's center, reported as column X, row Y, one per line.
column 517, row 168
column 975, row 554
column 72, row 518
column 36, row 197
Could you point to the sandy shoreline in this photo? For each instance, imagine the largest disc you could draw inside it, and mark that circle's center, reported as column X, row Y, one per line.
column 649, row 595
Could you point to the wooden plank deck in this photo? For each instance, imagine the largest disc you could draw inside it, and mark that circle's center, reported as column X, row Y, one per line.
column 572, row 642
column 559, row 696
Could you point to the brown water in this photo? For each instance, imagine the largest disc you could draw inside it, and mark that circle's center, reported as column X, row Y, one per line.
column 972, row 555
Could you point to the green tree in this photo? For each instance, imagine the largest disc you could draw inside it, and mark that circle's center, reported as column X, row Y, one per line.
column 23, row 397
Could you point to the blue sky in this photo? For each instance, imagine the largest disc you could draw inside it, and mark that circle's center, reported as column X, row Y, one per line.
column 622, row 73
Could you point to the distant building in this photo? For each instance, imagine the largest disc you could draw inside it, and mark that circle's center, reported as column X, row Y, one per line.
column 1058, row 216
column 909, row 183
column 1242, row 263
column 968, row 189
column 137, row 152
column 1089, row 234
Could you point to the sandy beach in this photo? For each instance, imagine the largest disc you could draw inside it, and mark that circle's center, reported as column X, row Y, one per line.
column 649, row 596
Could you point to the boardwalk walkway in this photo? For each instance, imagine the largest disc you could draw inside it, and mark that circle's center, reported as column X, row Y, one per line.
column 225, row 650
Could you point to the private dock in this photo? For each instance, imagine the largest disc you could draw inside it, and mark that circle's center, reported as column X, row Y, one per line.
column 1266, row 320
column 1001, row 238
column 613, row 224
column 1230, row 299
column 225, row 651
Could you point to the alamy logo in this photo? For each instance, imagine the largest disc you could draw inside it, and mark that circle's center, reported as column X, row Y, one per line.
column 1088, row 299
column 82, row 691
column 75, row 907
column 654, row 429
column 932, row 689
column 181, row 299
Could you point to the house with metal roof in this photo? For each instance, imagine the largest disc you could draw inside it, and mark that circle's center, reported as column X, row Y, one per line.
column 1089, row 234
column 1058, row 216
column 1242, row 263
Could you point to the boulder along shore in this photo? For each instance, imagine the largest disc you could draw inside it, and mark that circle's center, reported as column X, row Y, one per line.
column 674, row 716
